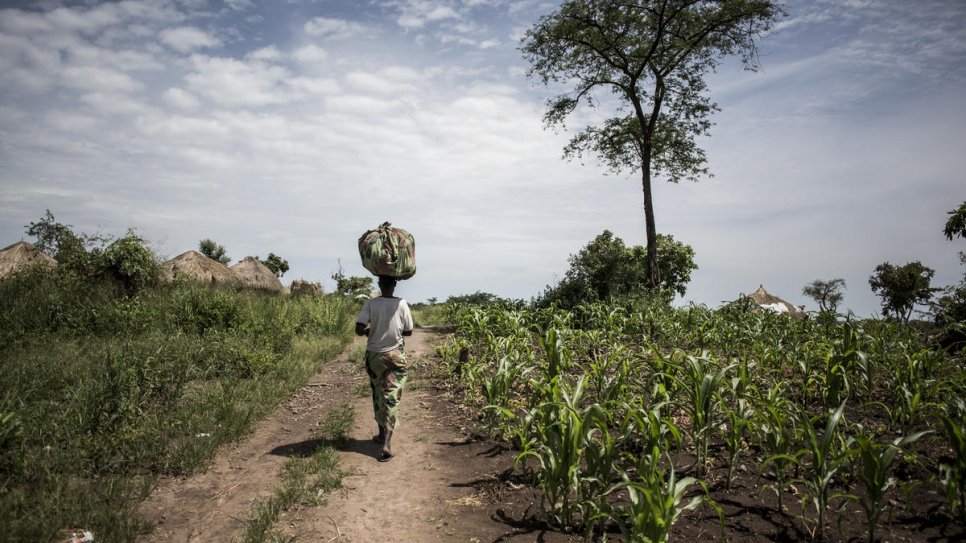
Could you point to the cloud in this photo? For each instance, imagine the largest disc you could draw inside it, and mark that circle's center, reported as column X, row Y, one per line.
column 185, row 39
column 310, row 54
column 330, row 28
column 181, row 99
column 417, row 13
column 231, row 82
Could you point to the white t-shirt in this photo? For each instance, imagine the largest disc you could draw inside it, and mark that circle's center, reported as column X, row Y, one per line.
column 387, row 318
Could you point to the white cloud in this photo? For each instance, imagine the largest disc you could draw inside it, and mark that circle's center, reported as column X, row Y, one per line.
column 416, row 13
column 230, row 82
column 98, row 79
column 185, row 39
column 181, row 99
column 310, row 54
column 330, row 28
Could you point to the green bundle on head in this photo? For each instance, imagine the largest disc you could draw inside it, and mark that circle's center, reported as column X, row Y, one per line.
column 388, row 251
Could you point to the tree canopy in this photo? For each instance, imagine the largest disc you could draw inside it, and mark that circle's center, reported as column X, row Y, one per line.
column 606, row 268
column 277, row 264
column 902, row 287
column 650, row 57
column 214, row 251
column 827, row 294
column 956, row 223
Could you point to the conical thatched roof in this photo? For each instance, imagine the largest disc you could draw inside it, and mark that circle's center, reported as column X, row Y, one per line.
column 774, row 303
column 301, row 286
column 253, row 274
column 198, row 267
column 20, row 255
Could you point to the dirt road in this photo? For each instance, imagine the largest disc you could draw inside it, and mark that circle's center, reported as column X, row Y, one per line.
column 440, row 486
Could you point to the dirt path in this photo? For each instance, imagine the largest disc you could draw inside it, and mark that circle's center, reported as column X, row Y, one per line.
column 439, row 487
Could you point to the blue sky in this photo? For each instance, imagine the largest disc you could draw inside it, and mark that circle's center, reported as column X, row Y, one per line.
column 294, row 126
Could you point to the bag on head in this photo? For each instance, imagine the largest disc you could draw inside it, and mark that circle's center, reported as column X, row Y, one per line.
column 388, row 251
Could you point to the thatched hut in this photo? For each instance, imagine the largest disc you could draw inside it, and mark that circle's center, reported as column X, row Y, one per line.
column 198, row 267
column 252, row 273
column 20, row 255
column 301, row 286
column 769, row 302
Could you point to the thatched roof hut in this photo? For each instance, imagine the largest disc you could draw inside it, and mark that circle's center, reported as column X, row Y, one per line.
column 198, row 267
column 252, row 273
column 766, row 301
column 301, row 286
column 20, row 255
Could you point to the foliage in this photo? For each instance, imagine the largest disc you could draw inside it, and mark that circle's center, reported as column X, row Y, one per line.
column 103, row 390
column 827, row 294
column 653, row 57
column 875, row 459
column 214, row 251
column 131, row 262
column 605, row 269
column 352, row 286
column 277, row 264
column 953, row 472
column 956, row 223
column 597, row 398
column 902, row 287
column 69, row 248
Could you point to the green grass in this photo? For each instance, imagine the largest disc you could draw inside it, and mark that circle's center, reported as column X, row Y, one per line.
column 102, row 392
column 304, row 481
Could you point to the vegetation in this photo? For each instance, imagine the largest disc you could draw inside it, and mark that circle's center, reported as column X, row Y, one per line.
column 605, row 268
column 352, row 286
column 652, row 57
column 599, row 399
column 277, row 264
column 214, row 251
column 956, row 223
column 902, row 288
column 827, row 294
column 109, row 379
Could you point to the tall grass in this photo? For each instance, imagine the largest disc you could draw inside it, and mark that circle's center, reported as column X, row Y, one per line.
column 103, row 391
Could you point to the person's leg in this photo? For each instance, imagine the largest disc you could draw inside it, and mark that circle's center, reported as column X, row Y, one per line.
column 392, row 381
column 373, row 360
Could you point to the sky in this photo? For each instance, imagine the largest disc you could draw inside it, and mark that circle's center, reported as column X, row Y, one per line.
column 293, row 126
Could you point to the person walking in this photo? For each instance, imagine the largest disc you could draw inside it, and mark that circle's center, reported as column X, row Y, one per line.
column 386, row 320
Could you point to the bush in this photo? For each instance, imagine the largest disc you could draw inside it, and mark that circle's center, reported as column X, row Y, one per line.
column 129, row 261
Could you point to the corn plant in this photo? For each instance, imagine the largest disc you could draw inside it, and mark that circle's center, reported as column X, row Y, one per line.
column 557, row 429
column 655, row 502
column 734, row 432
column 953, row 474
column 497, row 387
column 700, row 385
column 823, row 456
column 875, row 459
column 777, row 425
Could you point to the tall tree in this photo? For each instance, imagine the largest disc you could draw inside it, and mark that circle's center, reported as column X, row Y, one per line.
column 214, row 251
column 827, row 294
column 955, row 224
column 607, row 268
column 902, row 287
column 653, row 56
column 277, row 264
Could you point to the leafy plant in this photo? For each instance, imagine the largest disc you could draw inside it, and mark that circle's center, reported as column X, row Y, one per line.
column 875, row 459
column 953, row 473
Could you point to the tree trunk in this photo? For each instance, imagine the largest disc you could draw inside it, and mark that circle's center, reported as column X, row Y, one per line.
column 653, row 271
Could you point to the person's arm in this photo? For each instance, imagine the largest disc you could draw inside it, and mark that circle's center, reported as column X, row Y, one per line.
column 407, row 319
column 362, row 321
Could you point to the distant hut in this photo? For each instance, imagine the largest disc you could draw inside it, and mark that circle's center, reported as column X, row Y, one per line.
column 301, row 286
column 20, row 255
column 198, row 267
column 769, row 302
column 252, row 273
